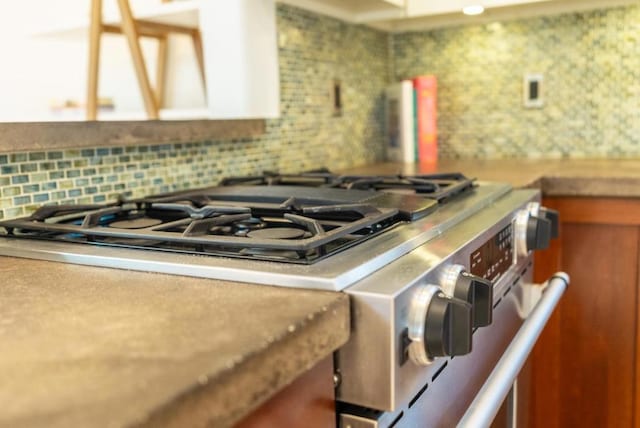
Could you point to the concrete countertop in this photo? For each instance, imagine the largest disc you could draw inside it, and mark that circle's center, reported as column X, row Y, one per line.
column 95, row 347
column 570, row 177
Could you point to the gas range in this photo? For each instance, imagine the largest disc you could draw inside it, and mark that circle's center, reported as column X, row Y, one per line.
column 436, row 267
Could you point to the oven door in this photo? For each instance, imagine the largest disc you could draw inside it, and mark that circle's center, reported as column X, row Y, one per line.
column 480, row 389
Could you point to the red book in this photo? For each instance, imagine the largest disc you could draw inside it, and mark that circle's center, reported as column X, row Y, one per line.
column 427, row 141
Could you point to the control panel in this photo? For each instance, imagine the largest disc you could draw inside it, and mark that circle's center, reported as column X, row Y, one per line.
column 494, row 257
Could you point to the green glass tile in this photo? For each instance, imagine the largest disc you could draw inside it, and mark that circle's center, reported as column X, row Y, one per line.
column 3, row 159
column 64, row 164
column 18, row 157
column 91, row 190
column 99, row 199
column 74, row 193
column 4, row 181
column 97, row 180
column 80, row 163
column 71, row 154
column 56, row 175
column 9, row 169
column 51, row 185
column 31, row 188
column 14, row 212
column 47, row 166
column 6, row 203
column 19, row 179
column 81, row 182
column 39, row 177
column 86, row 153
column 66, row 184
column 103, row 151
column 28, row 167
column 84, row 200
column 104, row 170
column 41, row 198
column 22, row 200
column 1, row 214
column 54, row 155
column 89, row 171
column 36, row 156
column 60, row 194
column 73, row 173
column 106, row 188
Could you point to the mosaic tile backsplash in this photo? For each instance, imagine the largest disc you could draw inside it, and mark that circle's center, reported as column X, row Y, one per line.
column 591, row 67
column 313, row 52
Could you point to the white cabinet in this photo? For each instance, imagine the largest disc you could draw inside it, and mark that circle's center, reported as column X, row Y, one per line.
column 241, row 58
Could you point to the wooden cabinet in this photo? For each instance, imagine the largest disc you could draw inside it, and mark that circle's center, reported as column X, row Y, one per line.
column 585, row 365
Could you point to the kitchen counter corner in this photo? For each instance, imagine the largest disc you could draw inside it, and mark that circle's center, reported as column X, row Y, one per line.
column 87, row 346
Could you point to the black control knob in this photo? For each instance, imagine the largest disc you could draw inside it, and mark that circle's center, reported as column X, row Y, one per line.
column 479, row 293
column 448, row 327
column 554, row 218
column 538, row 233
column 457, row 282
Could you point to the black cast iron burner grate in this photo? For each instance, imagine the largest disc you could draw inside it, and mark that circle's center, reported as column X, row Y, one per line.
column 440, row 187
column 289, row 231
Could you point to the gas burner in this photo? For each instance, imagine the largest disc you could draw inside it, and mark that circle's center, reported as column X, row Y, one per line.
column 292, row 228
column 440, row 187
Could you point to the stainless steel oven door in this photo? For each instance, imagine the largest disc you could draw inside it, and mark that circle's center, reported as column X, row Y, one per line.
column 489, row 373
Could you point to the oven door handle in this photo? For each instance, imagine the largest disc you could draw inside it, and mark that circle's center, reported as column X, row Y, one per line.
column 485, row 406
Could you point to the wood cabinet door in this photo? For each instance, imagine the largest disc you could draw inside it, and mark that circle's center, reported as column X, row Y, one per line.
column 584, row 364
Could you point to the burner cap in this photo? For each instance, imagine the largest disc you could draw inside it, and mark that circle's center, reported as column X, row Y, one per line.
column 136, row 223
column 277, row 233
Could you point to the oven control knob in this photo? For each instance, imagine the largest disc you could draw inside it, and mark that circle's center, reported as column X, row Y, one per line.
column 476, row 291
column 439, row 325
column 554, row 218
column 532, row 232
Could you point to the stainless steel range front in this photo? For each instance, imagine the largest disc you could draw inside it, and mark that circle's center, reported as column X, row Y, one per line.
column 438, row 269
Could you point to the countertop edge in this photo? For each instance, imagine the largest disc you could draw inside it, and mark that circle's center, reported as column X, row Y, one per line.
column 283, row 361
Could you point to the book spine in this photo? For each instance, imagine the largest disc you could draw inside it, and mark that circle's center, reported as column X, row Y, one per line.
column 426, row 91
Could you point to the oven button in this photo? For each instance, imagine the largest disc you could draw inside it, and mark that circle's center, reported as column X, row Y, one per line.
column 477, row 291
column 439, row 325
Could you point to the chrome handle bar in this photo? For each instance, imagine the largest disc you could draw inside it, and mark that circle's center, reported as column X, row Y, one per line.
column 489, row 399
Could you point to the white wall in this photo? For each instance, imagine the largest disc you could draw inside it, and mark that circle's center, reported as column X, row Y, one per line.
column 40, row 65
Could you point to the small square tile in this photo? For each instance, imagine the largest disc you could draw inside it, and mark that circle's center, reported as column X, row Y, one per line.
column 51, row 185
column 36, row 156
column 14, row 212
column 31, row 188
column 47, row 166
column 54, row 155
column 18, row 157
column 9, row 169
column 19, row 179
column 11, row 191
column 56, row 175
column 41, row 198
column 28, row 167
column 22, row 200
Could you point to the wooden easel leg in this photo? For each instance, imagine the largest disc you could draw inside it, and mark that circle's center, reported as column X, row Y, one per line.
column 161, row 70
column 94, row 59
column 131, row 32
column 197, row 46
